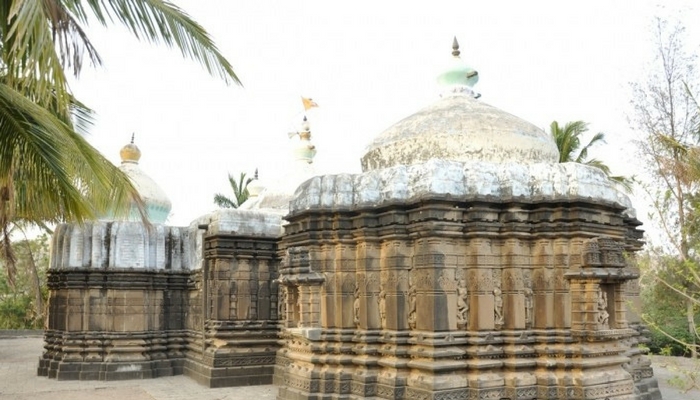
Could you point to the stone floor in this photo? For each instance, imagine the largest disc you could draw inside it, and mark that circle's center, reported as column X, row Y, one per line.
column 20, row 351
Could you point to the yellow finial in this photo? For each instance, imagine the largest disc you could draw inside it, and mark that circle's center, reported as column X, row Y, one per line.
column 130, row 153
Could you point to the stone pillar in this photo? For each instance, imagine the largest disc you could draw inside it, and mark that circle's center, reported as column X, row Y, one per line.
column 562, row 294
column 516, row 256
column 543, row 287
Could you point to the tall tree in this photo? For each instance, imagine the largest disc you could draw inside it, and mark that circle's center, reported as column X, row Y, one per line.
column 568, row 139
column 667, row 118
column 48, row 171
column 240, row 192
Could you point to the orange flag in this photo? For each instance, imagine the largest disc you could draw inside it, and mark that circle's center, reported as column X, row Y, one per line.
column 308, row 103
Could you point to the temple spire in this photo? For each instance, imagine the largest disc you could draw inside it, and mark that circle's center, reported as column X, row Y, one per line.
column 458, row 78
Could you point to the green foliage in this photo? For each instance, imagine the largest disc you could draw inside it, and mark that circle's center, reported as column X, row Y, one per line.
column 664, row 305
column 16, row 312
column 18, row 308
column 240, row 192
column 568, row 140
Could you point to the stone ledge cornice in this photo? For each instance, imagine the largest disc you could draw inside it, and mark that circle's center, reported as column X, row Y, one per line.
column 454, row 180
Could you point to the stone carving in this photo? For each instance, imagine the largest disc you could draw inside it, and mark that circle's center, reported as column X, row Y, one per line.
column 445, row 282
column 282, row 303
column 498, row 306
column 528, row 307
column 611, row 253
column 381, row 300
column 329, row 282
column 462, row 303
column 297, row 257
column 300, row 323
column 356, row 307
column 485, row 282
column 560, row 282
column 603, row 315
column 604, row 252
column 372, row 281
column 527, row 278
column 510, row 281
column 432, row 259
column 233, row 297
column 411, row 305
column 473, row 280
column 424, row 279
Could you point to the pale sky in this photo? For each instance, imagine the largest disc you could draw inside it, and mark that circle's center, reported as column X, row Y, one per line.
column 368, row 64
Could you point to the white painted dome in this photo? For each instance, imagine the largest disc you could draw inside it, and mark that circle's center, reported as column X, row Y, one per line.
column 458, row 127
column 461, row 149
column 158, row 204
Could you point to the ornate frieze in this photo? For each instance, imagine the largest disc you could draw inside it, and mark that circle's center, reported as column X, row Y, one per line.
column 460, row 297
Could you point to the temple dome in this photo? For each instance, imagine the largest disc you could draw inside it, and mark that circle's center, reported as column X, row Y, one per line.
column 158, row 205
column 458, row 127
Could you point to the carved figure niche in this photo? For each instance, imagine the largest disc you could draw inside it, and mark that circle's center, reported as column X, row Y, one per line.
column 293, row 304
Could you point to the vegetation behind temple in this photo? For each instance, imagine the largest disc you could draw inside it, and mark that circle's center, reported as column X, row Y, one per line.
column 18, row 305
column 666, row 118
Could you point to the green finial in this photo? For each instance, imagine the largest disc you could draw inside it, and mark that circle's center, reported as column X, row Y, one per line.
column 458, row 77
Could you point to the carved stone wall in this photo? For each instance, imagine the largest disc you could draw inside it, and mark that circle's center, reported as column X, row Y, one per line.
column 125, row 302
column 116, row 310
column 448, row 299
column 114, row 324
column 238, row 339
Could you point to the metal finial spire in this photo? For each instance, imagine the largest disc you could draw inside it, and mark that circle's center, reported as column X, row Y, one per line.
column 132, row 137
column 455, row 47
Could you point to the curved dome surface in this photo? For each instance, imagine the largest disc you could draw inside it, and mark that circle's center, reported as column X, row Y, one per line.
column 158, row 204
column 460, row 128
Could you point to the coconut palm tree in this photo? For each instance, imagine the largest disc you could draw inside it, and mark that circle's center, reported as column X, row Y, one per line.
column 568, row 140
column 48, row 171
column 240, row 192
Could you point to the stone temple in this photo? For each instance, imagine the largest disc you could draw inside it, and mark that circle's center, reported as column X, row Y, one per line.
column 464, row 262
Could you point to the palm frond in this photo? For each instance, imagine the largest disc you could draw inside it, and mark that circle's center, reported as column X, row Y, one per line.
column 623, row 182
column 31, row 62
column 598, row 164
column 567, row 138
column 583, row 154
column 51, row 171
column 160, row 21
column 224, row 202
column 70, row 37
column 568, row 141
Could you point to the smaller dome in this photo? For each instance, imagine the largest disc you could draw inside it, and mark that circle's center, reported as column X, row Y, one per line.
column 158, row 204
column 274, row 194
column 255, row 187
